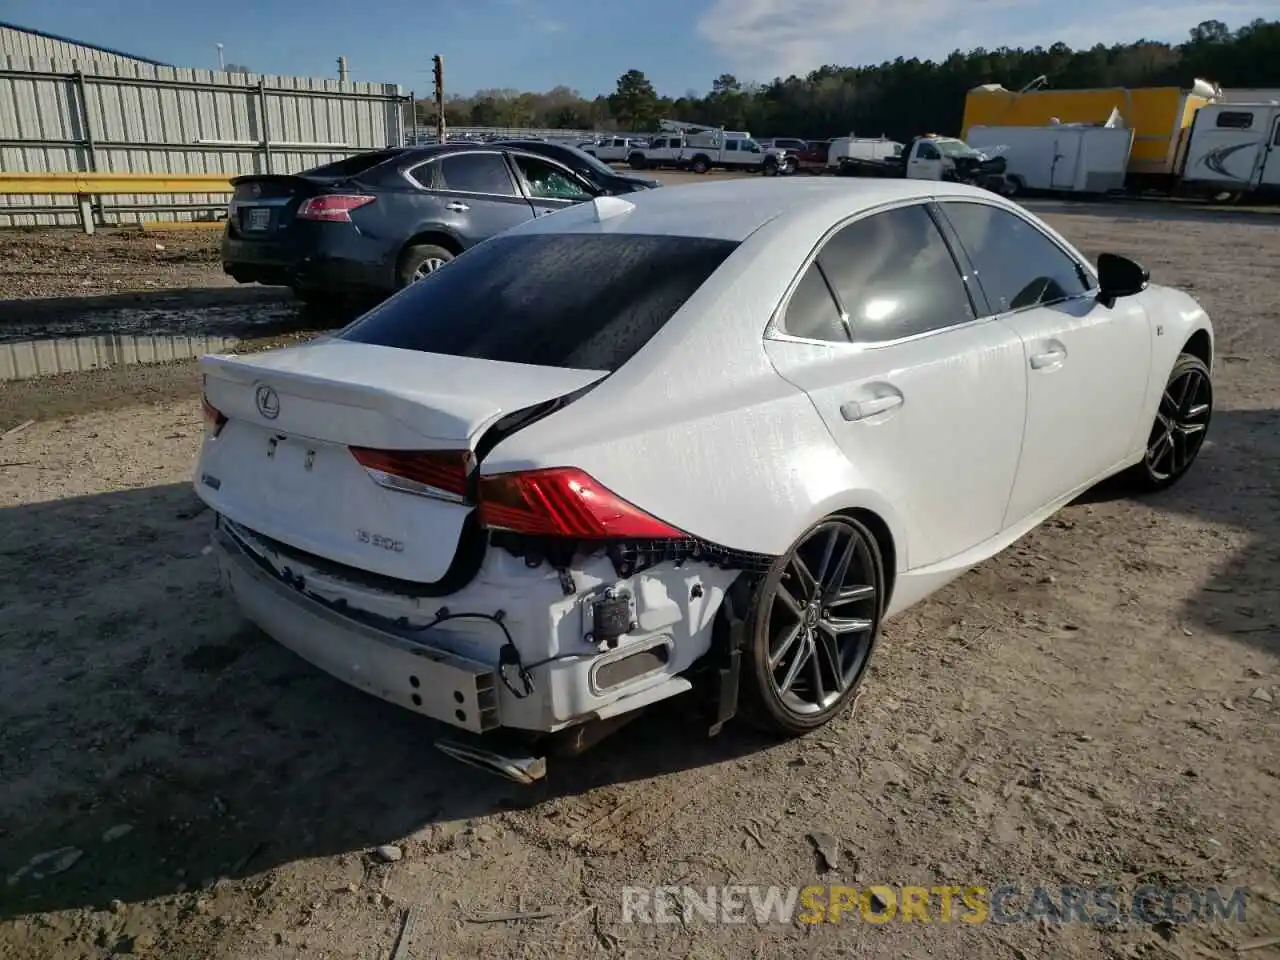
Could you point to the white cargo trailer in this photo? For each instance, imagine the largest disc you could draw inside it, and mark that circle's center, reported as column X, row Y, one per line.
column 1061, row 158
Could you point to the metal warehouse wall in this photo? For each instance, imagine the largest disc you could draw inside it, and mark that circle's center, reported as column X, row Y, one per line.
column 132, row 117
column 17, row 42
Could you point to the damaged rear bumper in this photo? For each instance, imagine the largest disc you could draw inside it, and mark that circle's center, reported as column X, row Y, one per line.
column 456, row 676
column 434, row 683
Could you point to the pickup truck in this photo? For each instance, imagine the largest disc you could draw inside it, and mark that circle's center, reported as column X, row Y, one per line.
column 935, row 158
column 615, row 149
column 815, row 157
column 700, row 152
column 733, row 151
column 661, row 151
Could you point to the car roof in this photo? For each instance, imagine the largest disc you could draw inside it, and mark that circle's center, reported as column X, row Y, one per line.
column 735, row 209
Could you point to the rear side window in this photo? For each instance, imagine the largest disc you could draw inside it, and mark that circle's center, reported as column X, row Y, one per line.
column 895, row 276
column 812, row 312
column 581, row 301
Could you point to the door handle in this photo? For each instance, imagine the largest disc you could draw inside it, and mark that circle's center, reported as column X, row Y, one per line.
column 1050, row 358
column 456, row 206
column 855, row 410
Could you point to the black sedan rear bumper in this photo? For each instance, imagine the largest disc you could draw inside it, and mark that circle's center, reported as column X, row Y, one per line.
column 324, row 260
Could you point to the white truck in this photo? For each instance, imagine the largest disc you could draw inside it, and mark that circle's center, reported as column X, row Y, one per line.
column 615, row 149
column 932, row 157
column 702, row 148
column 664, row 150
column 846, row 154
column 1233, row 149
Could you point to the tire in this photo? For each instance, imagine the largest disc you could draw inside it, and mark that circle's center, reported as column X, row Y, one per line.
column 770, row 167
column 638, row 161
column 792, row 648
column 419, row 260
column 700, row 165
column 1181, row 424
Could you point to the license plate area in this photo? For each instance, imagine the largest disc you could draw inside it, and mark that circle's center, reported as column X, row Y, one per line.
column 285, row 475
column 256, row 219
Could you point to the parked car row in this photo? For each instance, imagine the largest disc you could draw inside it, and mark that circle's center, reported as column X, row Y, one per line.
column 704, row 438
column 374, row 223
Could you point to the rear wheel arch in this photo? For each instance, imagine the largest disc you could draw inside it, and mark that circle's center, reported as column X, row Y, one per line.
column 437, row 238
column 883, row 535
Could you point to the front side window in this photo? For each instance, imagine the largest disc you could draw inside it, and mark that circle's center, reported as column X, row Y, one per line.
column 547, row 181
column 1017, row 265
column 895, row 276
column 927, row 151
column 583, row 301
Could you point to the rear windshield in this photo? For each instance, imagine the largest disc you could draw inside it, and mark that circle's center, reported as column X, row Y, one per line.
column 581, row 301
column 353, row 165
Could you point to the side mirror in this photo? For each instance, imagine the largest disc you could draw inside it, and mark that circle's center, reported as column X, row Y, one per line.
column 1120, row 277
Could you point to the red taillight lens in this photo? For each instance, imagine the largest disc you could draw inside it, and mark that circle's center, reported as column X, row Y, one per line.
column 214, row 419
column 564, row 502
column 333, row 208
column 430, row 473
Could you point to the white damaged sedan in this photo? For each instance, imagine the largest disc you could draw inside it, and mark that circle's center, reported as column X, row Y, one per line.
column 728, row 426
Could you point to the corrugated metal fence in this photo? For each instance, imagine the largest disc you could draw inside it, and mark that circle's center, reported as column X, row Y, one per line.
column 122, row 117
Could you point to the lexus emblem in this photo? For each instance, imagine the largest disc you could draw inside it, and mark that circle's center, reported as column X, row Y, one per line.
column 268, row 401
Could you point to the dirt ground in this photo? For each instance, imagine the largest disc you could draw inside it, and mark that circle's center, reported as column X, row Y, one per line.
column 67, row 263
column 1099, row 704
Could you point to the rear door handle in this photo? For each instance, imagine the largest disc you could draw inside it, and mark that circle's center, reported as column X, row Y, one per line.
column 456, row 206
column 1050, row 358
column 855, row 410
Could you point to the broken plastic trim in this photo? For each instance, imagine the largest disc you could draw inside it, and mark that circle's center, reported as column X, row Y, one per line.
column 630, row 557
column 524, row 770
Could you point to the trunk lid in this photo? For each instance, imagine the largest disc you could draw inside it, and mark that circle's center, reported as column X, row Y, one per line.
column 282, row 464
column 262, row 206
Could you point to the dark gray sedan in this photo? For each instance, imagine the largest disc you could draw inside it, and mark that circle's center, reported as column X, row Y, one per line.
column 374, row 223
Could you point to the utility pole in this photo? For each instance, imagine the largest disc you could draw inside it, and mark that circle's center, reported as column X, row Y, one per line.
column 438, row 68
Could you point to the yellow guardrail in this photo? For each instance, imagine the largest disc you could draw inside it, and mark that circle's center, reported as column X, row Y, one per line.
column 113, row 183
column 87, row 185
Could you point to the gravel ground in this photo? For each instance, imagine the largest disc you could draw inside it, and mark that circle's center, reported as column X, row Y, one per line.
column 68, row 263
column 1099, row 704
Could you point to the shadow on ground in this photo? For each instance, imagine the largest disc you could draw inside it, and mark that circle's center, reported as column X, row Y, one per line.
column 153, row 705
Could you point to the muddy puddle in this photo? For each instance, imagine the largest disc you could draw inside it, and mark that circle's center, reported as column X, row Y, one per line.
column 74, row 341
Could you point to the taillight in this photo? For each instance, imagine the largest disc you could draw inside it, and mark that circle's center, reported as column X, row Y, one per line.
column 441, row 474
column 335, row 207
column 564, row 502
column 214, row 419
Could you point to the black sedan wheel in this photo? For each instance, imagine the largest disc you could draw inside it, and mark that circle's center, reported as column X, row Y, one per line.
column 420, row 260
column 815, row 619
column 1182, row 421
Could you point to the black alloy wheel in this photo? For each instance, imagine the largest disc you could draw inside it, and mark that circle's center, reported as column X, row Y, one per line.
column 815, row 618
column 1181, row 424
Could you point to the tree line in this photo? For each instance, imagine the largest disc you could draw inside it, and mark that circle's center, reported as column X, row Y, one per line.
column 898, row 98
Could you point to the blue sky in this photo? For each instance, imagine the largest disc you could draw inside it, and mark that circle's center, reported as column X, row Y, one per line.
column 586, row 44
